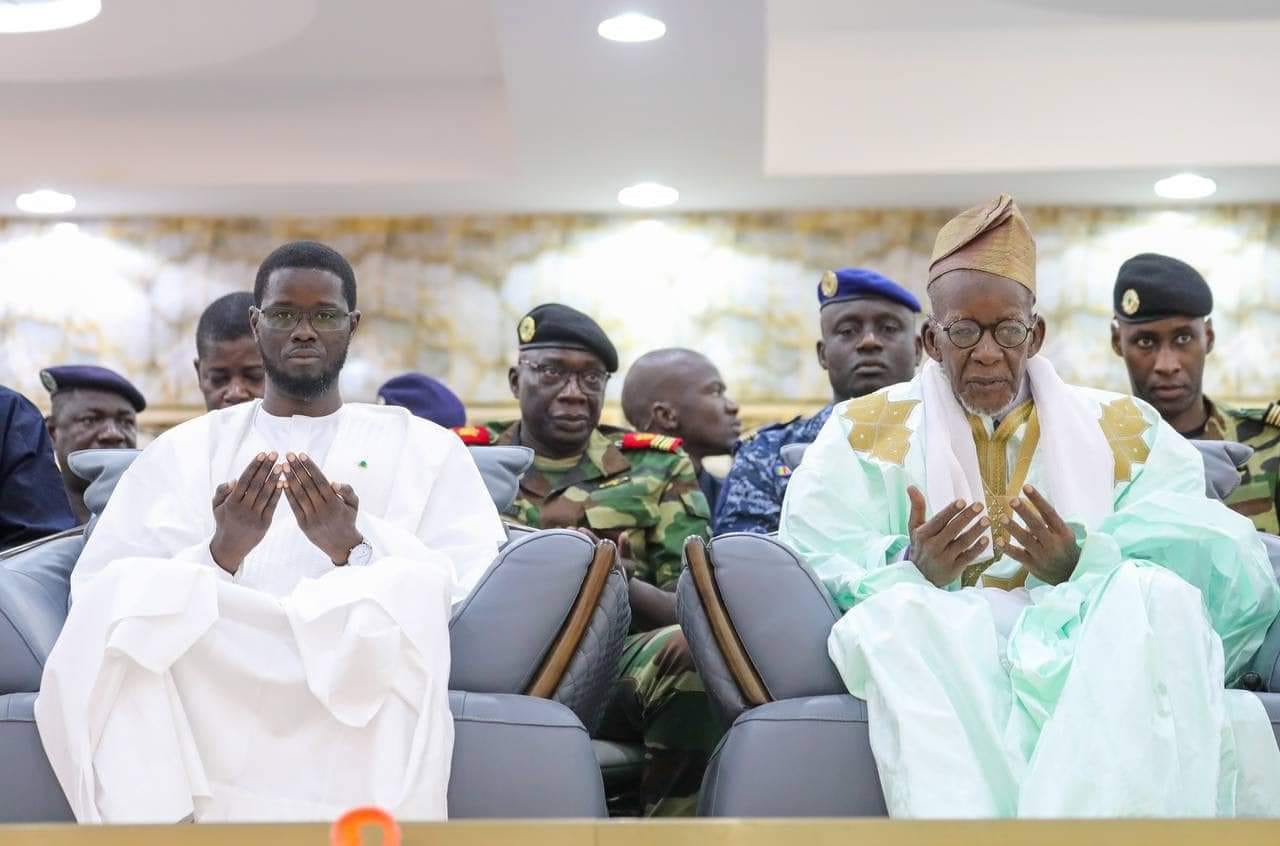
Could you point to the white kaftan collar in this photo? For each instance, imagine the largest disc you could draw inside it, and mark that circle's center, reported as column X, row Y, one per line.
column 1075, row 460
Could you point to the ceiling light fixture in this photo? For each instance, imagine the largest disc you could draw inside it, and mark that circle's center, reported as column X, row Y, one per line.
column 648, row 195
column 46, row 15
column 632, row 27
column 1186, row 186
column 46, row 201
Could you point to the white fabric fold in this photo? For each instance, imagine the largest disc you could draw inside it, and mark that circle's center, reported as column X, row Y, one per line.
column 1074, row 455
column 296, row 689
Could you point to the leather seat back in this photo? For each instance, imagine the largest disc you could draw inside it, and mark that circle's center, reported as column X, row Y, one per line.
column 546, row 619
column 793, row 454
column 767, row 616
column 34, row 588
column 1222, row 463
column 502, row 468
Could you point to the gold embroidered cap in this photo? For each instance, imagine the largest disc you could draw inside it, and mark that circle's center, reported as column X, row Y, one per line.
column 993, row 238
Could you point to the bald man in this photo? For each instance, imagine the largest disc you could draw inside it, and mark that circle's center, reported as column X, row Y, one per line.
column 680, row 393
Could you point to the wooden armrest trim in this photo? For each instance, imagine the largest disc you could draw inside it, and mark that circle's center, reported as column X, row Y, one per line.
column 735, row 654
column 547, row 678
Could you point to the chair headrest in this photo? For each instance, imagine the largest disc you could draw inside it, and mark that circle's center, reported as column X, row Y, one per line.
column 1222, row 463
column 502, row 467
column 102, row 469
column 793, row 454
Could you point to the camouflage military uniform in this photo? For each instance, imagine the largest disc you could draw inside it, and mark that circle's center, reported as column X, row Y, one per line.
column 641, row 491
column 1258, row 496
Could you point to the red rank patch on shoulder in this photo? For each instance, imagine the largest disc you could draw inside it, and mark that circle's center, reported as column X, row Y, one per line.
column 473, row 435
column 648, row 440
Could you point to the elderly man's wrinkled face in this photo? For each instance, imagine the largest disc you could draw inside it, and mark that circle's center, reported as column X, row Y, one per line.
column 982, row 332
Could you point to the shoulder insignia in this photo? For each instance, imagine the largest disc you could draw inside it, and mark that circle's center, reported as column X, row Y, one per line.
column 474, row 435
column 648, row 440
column 880, row 426
column 1272, row 415
column 1269, row 415
column 1124, row 427
column 782, row 470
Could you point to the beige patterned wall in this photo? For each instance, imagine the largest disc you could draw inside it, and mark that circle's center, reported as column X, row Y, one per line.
column 443, row 295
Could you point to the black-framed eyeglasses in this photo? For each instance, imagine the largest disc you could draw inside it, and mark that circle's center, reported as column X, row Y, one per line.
column 592, row 380
column 967, row 333
column 287, row 319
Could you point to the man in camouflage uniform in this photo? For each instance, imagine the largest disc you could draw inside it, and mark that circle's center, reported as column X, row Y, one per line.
column 1163, row 331
column 868, row 341
column 636, row 489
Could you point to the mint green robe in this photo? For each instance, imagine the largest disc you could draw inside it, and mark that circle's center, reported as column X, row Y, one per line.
column 1102, row 696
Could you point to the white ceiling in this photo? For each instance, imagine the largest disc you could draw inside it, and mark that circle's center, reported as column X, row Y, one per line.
column 316, row 107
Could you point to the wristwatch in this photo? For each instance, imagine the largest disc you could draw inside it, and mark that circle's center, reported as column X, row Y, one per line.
column 360, row 554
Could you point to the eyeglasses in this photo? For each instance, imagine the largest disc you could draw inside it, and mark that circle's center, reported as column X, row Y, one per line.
column 287, row 319
column 553, row 376
column 967, row 333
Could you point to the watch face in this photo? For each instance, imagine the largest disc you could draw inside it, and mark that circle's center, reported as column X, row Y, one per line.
column 360, row 554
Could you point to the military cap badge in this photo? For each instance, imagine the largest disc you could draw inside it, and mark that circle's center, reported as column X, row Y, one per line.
column 50, row 383
column 829, row 284
column 1129, row 303
column 527, row 329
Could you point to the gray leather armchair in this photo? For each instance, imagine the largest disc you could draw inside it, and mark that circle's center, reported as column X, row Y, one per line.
column 757, row 621
column 533, row 650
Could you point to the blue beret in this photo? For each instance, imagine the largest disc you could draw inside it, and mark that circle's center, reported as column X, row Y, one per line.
column 69, row 377
column 856, row 283
column 424, row 397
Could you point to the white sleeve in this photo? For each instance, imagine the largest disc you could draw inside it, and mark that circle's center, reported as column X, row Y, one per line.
column 459, row 522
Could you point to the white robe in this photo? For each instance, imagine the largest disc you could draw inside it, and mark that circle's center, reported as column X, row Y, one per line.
column 294, row 689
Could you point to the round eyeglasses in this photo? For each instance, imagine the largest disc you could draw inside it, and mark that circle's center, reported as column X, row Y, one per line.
column 592, row 381
column 287, row 319
column 967, row 333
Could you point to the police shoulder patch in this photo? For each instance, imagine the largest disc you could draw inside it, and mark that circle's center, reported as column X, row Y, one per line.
column 474, row 435
column 649, row 440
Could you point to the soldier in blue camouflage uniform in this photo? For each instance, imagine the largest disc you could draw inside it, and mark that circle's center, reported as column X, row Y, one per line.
column 868, row 341
column 1164, row 333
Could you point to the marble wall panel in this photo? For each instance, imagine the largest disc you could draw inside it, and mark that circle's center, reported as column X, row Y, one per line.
column 443, row 295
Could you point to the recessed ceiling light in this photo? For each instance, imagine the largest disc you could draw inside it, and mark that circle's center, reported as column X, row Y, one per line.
column 46, row 201
column 632, row 27
column 1186, row 186
column 46, row 15
column 648, row 195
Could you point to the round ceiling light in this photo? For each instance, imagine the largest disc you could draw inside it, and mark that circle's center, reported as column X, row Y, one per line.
column 46, row 15
column 1186, row 186
column 46, row 201
column 632, row 27
column 648, row 195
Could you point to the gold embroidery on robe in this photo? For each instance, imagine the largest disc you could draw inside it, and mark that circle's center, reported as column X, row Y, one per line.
column 999, row 486
column 1125, row 429
column 880, row 426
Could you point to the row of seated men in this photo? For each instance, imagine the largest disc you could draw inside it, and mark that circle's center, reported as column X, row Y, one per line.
column 648, row 490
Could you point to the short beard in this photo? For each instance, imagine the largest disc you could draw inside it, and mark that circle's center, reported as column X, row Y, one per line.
column 977, row 412
column 304, row 388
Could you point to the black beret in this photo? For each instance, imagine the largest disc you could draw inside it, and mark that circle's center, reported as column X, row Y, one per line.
column 1150, row 286
column 71, row 376
column 555, row 325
